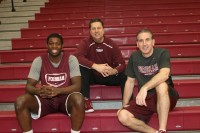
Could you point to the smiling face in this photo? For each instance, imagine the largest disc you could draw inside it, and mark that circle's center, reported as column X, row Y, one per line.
column 54, row 46
column 97, row 32
column 145, row 43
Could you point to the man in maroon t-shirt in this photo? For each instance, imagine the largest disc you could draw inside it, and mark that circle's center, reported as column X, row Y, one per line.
column 101, row 61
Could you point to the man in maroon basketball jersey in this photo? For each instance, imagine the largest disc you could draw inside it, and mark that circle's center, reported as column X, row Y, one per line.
column 101, row 61
column 59, row 91
column 151, row 68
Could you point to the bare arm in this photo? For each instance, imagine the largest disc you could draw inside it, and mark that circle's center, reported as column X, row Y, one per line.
column 159, row 78
column 128, row 90
column 31, row 86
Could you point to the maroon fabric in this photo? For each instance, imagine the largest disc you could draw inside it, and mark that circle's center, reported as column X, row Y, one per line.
column 144, row 113
column 53, row 105
column 57, row 77
column 90, row 52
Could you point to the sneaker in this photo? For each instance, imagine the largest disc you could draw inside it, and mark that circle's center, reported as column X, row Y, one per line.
column 162, row 131
column 88, row 106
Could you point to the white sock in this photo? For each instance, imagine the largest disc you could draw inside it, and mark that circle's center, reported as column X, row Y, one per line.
column 72, row 131
column 31, row 131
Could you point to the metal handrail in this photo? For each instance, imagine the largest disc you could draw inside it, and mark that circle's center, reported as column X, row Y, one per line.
column 13, row 7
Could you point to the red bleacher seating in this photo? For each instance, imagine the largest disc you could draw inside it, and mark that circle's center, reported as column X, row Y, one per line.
column 112, row 30
column 76, row 5
column 136, row 2
column 176, row 27
column 112, row 2
column 16, row 56
column 117, row 21
column 68, row 8
column 149, row 6
column 182, row 118
column 117, row 14
column 176, row 51
column 40, row 43
column 142, row 13
column 102, row 92
column 179, row 67
column 121, row 40
column 17, row 72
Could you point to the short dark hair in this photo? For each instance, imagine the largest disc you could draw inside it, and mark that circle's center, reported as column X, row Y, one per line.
column 55, row 35
column 145, row 31
column 95, row 20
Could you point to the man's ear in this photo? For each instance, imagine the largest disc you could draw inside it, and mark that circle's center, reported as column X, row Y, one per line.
column 137, row 43
column 153, row 41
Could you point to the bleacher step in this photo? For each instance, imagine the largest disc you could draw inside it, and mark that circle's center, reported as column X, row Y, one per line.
column 17, row 14
column 182, row 118
column 13, row 27
column 24, row 11
column 23, row 4
column 113, row 104
column 16, row 20
column 198, row 131
column 10, row 35
column 177, row 77
column 5, row 44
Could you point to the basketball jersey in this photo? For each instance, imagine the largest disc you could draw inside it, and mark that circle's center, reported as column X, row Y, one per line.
column 55, row 76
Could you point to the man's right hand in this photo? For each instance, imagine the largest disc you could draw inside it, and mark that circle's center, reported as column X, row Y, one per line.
column 102, row 68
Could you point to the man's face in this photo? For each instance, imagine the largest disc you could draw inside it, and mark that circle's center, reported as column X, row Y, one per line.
column 97, row 32
column 145, row 43
column 54, row 46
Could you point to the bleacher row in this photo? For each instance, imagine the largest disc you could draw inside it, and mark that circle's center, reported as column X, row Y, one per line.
column 27, row 55
column 176, row 25
column 121, row 40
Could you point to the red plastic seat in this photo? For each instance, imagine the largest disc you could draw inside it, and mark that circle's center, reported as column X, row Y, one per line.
column 181, row 118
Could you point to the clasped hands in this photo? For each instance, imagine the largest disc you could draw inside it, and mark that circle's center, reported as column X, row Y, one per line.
column 46, row 91
column 105, row 70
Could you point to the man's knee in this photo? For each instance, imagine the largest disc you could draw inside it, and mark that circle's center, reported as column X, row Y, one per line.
column 122, row 116
column 77, row 99
column 162, row 89
column 21, row 101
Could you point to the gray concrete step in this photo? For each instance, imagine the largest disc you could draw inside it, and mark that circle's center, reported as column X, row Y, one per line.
column 12, row 22
column 118, row 104
column 19, row 1
column 18, row 14
column 101, row 105
column 5, row 44
column 13, row 27
column 10, row 35
column 19, row 5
